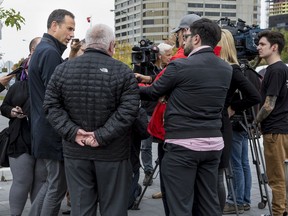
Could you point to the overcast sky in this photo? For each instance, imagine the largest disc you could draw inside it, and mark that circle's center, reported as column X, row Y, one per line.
column 15, row 43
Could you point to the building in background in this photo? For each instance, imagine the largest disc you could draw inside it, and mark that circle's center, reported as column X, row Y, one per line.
column 278, row 14
column 154, row 19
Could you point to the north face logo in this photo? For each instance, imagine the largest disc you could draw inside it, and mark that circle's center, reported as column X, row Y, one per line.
column 105, row 70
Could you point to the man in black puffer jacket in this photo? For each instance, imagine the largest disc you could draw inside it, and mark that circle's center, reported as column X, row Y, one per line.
column 92, row 101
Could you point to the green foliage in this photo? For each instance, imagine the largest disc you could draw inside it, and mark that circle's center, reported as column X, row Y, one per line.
column 16, row 65
column 284, row 54
column 11, row 18
column 123, row 53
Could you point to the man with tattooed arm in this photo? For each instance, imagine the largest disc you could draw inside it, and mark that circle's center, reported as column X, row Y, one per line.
column 273, row 116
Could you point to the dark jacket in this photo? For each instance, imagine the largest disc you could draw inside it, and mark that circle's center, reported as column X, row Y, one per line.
column 19, row 129
column 96, row 93
column 250, row 92
column 250, row 97
column 197, row 88
column 2, row 87
column 248, row 83
column 46, row 143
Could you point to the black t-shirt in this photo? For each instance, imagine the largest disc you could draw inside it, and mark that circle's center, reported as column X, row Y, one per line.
column 275, row 83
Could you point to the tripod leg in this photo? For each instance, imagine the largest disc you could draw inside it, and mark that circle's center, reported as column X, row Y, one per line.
column 261, row 171
column 137, row 202
column 229, row 181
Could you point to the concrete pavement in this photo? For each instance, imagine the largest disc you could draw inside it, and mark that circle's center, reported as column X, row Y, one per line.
column 148, row 206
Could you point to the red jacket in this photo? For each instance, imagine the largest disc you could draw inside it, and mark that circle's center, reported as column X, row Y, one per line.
column 156, row 124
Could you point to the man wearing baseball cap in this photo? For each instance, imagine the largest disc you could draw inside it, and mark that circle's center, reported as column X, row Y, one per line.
column 185, row 22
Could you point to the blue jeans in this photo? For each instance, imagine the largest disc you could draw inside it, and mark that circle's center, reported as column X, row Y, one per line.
column 146, row 153
column 241, row 169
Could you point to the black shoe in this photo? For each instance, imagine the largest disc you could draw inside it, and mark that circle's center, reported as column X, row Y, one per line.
column 146, row 181
column 67, row 212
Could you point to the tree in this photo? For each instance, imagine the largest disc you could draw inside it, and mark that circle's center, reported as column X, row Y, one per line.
column 123, row 53
column 11, row 18
column 284, row 54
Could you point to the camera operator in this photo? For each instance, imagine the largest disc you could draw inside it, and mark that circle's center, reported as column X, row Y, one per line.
column 147, row 54
column 239, row 143
column 163, row 58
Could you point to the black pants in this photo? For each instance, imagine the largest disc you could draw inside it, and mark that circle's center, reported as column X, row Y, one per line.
column 90, row 182
column 162, row 186
column 182, row 169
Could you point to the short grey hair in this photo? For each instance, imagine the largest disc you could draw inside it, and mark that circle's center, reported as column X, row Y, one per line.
column 164, row 47
column 99, row 36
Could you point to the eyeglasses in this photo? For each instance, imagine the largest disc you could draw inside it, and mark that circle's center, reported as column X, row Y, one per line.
column 185, row 36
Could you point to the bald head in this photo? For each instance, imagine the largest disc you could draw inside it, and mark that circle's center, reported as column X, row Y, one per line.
column 33, row 43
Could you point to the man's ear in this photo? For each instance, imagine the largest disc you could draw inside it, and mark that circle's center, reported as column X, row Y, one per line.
column 275, row 47
column 111, row 46
column 111, row 49
column 54, row 26
column 196, row 40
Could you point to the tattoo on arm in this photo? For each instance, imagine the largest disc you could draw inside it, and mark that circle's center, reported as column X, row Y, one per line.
column 267, row 108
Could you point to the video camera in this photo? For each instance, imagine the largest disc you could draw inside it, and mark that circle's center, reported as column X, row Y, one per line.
column 145, row 55
column 245, row 38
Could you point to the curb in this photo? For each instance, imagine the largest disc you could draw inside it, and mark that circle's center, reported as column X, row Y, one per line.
column 5, row 174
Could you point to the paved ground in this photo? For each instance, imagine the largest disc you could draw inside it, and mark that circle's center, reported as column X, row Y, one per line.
column 148, row 206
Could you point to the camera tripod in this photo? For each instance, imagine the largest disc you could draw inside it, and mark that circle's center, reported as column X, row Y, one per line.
column 137, row 202
column 258, row 160
column 229, row 181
